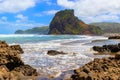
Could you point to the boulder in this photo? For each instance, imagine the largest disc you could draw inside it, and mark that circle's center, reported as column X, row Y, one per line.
column 53, row 52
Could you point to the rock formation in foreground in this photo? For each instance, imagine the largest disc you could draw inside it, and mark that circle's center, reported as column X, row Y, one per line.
column 65, row 22
column 99, row 69
column 11, row 65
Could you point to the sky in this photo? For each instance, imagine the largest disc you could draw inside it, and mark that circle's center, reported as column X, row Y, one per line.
column 25, row 14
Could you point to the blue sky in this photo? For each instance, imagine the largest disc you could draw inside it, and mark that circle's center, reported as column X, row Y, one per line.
column 25, row 14
column 35, row 13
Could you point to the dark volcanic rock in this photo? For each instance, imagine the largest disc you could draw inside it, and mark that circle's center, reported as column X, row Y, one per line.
column 65, row 22
column 108, row 48
column 99, row 69
column 99, row 49
column 10, row 62
column 114, row 37
column 53, row 52
column 112, row 48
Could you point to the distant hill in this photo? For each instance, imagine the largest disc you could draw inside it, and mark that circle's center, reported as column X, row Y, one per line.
column 35, row 30
column 65, row 22
column 108, row 27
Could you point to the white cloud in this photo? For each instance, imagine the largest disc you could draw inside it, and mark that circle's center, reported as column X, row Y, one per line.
column 44, row 13
column 48, row 2
column 13, row 6
column 23, row 25
column 97, row 10
column 102, row 18
column 50, row 12
column 3, row 19
column 11, row 27
column 66, row 3
column 38, row 14
column 21, row 18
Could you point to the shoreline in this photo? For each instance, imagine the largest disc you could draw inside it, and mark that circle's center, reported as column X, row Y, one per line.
column 78, row 54
column 71, row 44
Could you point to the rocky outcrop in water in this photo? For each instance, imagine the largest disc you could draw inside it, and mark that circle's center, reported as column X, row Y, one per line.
column 53, row 53
column 99, row 69
column 107, row 48
column 65, row 22
column 11, row 65
column 114, row 37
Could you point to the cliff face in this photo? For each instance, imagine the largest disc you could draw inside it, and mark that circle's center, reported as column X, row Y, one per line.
column 65, row 22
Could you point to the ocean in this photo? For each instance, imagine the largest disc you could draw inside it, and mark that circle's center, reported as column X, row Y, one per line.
column 78, row 47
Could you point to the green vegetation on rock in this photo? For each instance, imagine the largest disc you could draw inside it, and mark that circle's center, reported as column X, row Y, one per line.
column 95, row 29
column 35, row 30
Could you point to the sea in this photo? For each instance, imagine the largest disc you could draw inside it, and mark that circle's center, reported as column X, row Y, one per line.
column 78, row 47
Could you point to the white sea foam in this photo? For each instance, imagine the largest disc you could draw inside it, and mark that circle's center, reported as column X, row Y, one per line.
column 78, row 54
column 16, row 35
column 35, row 51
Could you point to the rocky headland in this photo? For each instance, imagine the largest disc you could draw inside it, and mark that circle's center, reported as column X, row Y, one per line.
column 11, row 65
column 65, row 22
